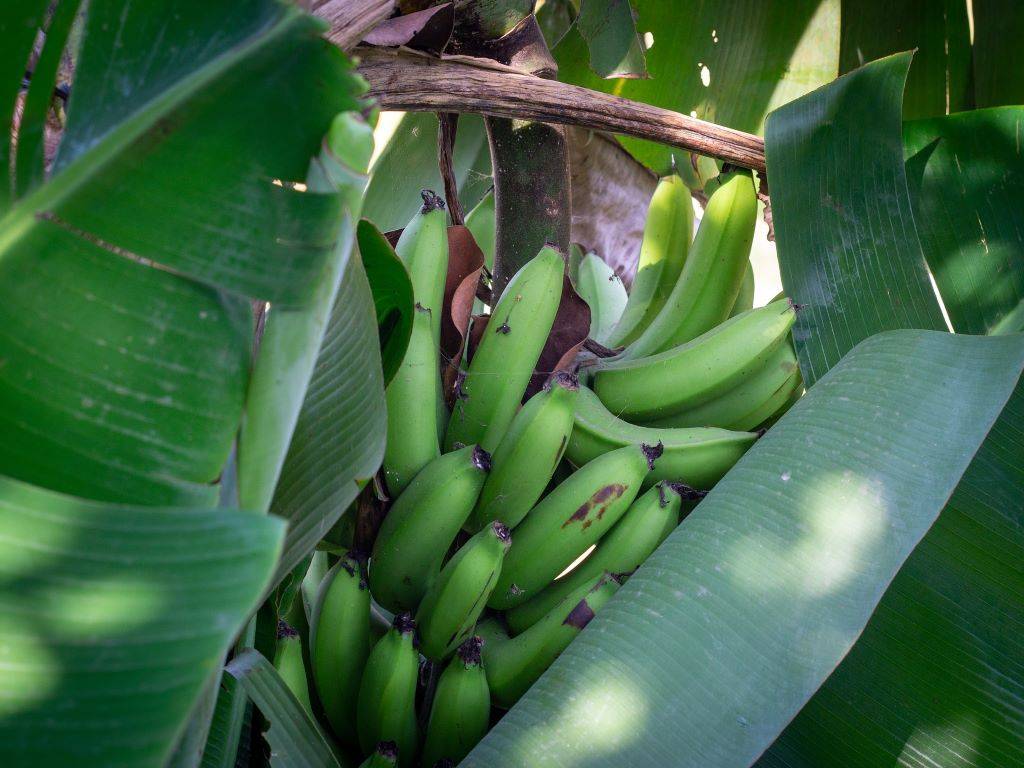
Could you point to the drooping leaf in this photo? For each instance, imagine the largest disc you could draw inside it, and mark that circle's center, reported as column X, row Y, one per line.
column 935, row 678
column 966, row 178
column 392, row 296
column 938, row 32
column 706, row 653
column 113, row 619
column 608, row 28
column 998, row 54
column 729, row 63
column 338, row 442
column 295, row 738
column 409, row 164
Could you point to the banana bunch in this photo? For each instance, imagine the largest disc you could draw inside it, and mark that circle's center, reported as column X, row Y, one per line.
column 510, row 523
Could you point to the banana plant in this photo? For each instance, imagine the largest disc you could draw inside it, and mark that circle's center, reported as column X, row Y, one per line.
column 194, row 405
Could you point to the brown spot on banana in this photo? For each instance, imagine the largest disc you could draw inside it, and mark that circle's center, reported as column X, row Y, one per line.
column 600, row 501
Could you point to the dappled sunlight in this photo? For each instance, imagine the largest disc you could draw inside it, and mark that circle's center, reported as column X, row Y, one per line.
column 843, row 520
column 28, row 668
column 108, row 605
column 930, row 741
column 599, row 718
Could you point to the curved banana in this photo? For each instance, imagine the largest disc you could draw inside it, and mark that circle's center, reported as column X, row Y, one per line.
column 421, row 525
column 745, row 298
column 749, row 403
column 493, row 388
column 339, row 643
column 699, row 457
column 602, row 290
column 710, row 281
column 696, row 372
column 412, row 407
column 527, row 456
column 645, row 525
column 460, row 713
column 514, row 664
column 569, row 519
column 666, row 241
column 457, row 597
column 387, row 695
column 384, row 756
column 423, row 248
column 289, row 664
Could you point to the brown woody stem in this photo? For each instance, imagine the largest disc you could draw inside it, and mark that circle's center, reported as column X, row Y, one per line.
column 403, row 80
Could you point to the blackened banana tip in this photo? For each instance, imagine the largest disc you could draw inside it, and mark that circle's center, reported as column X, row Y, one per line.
column 431, row 201
column 687, row 492
column 481, row 459
column 284, row 629
column 564, row 379
column 501, row 531
column 387, row 749
column 404, row 623
column 652, row 452
column 469, row 651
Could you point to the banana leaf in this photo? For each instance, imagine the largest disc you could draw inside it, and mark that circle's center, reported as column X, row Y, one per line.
column 113, row 620
column 936, row 677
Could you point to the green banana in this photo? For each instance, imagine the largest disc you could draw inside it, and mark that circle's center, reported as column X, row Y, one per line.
column 707, row 287
column 796, row 394
column 602, row 289
column 340, row 642
column 699, row 457
column 423, row 248
column 527, row 456
column 666, row 241
column 413, row 415
column 745, row 298
column 749, row 403
column 457, row 597
column 514, row 664
column 421, row 525
column 460, row 713
column 645, row 525
column 493, row 388
column 384, row 756
column 569, row 519
column 387, row 695
column 696, row 372
column 289, row 663
column 414, row 393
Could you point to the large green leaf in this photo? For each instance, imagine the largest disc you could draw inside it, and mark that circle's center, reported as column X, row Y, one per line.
column 710, row 649
column 113, row 618
column 295, row 738
column 967, row 181
column 939, row 80
column 998, row 54
column 122, row 382
column 292, row 336
column 851, row 253
column 729, row 63
column 409, row 164
column 338, row 442
column 936, row 678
